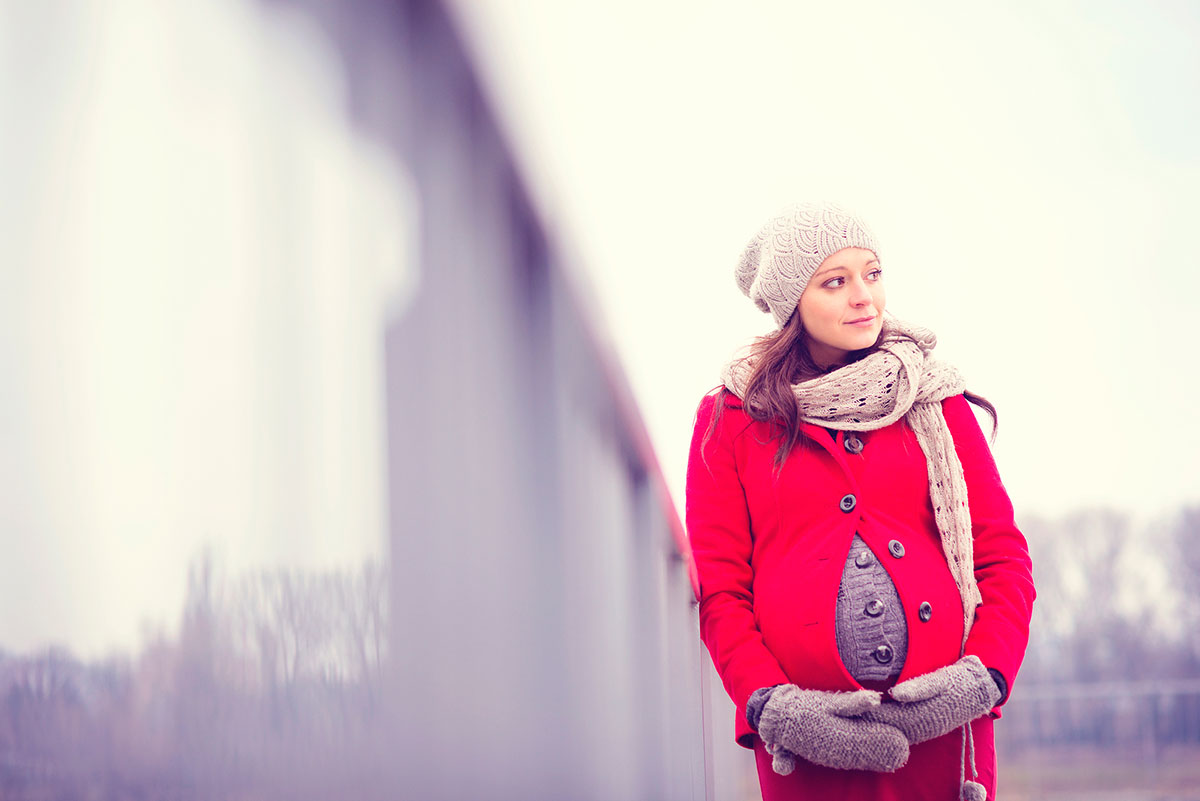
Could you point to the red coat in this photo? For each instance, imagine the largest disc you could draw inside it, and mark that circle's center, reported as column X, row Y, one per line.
column 769, row 554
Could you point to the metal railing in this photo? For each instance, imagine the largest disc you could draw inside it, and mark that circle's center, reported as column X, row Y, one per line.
column 1135, row 740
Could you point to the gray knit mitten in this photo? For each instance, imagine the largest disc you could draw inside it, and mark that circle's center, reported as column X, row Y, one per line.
column 783, row 761
column 939, row 702
column 828, row 728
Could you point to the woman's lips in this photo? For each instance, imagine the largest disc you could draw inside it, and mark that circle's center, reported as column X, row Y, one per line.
column 862, row 322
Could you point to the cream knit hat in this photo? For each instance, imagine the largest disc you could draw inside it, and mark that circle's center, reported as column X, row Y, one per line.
column 776, row 265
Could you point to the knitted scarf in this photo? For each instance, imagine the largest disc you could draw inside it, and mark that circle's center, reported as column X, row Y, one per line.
column 898, row 380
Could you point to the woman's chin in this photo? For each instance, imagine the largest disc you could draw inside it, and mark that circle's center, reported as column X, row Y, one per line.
column 860, row 341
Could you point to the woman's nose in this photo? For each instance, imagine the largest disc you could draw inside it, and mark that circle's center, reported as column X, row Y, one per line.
column 859, row 294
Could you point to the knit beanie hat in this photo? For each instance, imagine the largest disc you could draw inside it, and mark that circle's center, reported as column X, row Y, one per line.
column 776, row 265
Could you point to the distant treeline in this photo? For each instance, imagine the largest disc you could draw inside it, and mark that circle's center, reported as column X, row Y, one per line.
column 272, row 690
column 1114, row 654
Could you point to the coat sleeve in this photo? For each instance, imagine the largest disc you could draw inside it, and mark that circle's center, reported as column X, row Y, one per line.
column 718, row 524
column 1002, row 566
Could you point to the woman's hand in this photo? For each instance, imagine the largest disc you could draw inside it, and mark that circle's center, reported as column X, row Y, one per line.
column 939, row 702
column 829, row 728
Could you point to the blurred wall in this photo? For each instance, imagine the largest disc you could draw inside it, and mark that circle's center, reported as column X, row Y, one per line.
column 269, row 236
column 543, row 634
column 542, row 619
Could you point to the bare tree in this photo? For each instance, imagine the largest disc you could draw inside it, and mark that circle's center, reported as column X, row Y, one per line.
column 1185, row 573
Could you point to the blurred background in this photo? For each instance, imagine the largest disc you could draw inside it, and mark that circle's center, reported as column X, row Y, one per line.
column 349, row 356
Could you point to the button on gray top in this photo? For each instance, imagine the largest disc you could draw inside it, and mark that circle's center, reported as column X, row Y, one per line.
column 874, row 607
column 864, row 558
column 883, row 654
column 852, row 443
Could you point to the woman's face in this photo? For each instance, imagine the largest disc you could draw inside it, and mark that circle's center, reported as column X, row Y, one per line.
column 842, row 306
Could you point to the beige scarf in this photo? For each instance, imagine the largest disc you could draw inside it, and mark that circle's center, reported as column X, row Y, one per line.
column 898, row 380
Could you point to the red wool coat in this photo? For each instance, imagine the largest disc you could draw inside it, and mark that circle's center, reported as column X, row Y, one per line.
column 769, row 553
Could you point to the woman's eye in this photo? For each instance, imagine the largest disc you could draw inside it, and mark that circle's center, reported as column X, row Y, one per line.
column 875, row 275
column 834, row 283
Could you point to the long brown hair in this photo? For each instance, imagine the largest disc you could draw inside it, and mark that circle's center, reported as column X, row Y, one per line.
column 782, row 358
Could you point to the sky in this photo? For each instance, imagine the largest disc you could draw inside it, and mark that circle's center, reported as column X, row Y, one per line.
column 1029, row 170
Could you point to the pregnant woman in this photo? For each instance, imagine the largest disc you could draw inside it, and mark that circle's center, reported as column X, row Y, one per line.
column 865, row 593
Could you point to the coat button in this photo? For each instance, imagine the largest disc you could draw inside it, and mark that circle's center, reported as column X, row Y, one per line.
column 896, row 548
column 883, row 654
column 925, row 611
column 864, row 558
column 873, row 608
column 848, row 503
column 852, row 444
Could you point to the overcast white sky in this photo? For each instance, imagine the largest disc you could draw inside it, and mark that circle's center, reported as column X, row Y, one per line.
column 1030, row 170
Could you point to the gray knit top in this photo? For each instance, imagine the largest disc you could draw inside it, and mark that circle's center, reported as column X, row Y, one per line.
column 872, row 633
